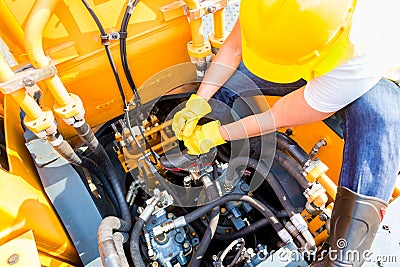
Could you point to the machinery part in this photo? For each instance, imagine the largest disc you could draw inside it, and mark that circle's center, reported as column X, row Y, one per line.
column 232, row 245
column 265, row 211
column 296, row 218
column 183, row 160
column 290, row 146
column 106, row 241
column 292, row 167
column 69, row 197
column 315, row 149
column 137, row 228
column 315, row 171
column 173, row 247
column 212, row 194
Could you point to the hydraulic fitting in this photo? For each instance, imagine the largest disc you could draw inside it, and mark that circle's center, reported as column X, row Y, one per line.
column 302, row 226
column 315, row 171
column 285, row 236
column 169, row 226
column 316, row 195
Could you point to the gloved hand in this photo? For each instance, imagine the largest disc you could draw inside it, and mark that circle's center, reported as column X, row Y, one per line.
column 185, row 121
column 204, row 138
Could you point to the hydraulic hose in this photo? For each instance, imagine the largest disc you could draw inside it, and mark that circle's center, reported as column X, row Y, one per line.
column 290, row 146
column 104, row 37
column 137, row 228
column 106, row 243
column 212, row 194
column 265, row 211
column 135, row 243
column 87, row 135
column 94, row 168
column 292, row 166
column 64, row 149
column 269, row 177
column 122, row 46
column 119, row 240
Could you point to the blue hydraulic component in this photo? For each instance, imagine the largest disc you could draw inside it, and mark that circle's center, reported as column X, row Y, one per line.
column 172, row 248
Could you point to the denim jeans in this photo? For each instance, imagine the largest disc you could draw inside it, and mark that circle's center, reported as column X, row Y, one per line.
column 371, row 129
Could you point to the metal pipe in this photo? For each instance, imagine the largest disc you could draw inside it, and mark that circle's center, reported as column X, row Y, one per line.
column 219, row 23
column 35, row 25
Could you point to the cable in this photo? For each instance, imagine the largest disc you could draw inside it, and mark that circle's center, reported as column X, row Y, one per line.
column 104, row 36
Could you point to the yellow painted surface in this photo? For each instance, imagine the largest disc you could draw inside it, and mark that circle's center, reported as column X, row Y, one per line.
column 23, row 204
column 20, row 252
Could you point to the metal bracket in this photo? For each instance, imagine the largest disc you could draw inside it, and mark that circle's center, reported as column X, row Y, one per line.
column 179, row 8
column 28, row 78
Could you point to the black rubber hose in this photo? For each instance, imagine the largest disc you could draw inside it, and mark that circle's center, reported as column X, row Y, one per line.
column 122, row 47
column 290, row 146
column 265, row 211
column 135, row 243
column 96, row 170
column 272, row 180
column 212, row 194
column 65, row 150
column 87, row 135
column 292, row 166
column 103, row 35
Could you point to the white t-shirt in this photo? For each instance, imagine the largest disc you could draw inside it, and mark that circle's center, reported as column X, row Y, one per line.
column 376, row 39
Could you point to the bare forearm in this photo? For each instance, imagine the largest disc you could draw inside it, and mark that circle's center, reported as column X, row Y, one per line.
column 290, row 110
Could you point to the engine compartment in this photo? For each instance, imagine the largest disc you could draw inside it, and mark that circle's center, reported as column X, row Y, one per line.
column 273, row 170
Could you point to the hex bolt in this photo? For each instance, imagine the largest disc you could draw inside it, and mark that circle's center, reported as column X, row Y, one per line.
column 211, row 9
column 13, row 259
column 29, row 82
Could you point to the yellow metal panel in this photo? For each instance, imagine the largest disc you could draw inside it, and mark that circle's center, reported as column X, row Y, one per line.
column 20, row 252
column 23, row 205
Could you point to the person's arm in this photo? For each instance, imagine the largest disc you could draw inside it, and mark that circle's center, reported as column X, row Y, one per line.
column 290, row 110
column 223, row 65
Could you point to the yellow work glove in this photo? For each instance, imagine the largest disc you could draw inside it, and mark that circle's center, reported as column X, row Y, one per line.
column 204, row 138
column 185, row 121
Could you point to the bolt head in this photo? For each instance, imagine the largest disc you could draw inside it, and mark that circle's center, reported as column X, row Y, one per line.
column 13, row 259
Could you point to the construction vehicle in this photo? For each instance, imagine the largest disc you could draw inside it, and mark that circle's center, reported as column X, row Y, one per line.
column 88, row 92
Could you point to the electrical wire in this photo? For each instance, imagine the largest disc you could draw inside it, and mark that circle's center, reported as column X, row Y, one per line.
column 104, row 36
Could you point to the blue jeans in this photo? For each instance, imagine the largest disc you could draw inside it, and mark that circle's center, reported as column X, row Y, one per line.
column 371, row 129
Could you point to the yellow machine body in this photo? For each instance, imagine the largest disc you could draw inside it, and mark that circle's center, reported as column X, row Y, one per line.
column 159, row 32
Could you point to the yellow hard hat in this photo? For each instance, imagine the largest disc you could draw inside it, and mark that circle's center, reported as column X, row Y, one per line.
column 285, row 40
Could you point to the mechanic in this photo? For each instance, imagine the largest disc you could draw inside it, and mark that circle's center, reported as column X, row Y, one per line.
column 322, row 57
